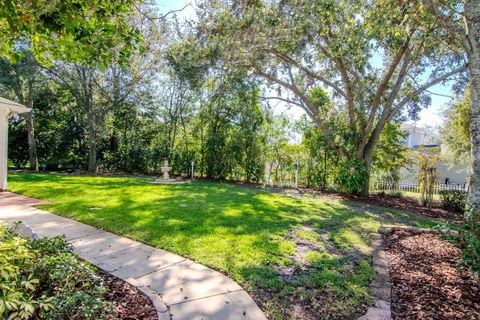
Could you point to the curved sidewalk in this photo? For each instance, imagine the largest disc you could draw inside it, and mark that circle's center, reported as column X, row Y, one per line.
column 179, row 288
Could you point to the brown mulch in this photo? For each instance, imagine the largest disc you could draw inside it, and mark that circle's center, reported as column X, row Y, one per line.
column 130, row 303
column 429, row 279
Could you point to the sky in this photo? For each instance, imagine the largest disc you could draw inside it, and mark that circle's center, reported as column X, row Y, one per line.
column 429, row 117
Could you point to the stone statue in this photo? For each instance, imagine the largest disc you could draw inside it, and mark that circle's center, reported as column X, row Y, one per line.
column 165, row 169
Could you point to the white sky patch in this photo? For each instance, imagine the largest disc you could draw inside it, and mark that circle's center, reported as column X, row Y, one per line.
column 165, row 6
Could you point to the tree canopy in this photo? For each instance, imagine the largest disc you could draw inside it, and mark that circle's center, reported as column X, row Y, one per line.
column 89, row 31
column 375, row 59
column 456, row 130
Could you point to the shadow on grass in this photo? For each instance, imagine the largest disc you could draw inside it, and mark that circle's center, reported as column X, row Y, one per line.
column 241, row 231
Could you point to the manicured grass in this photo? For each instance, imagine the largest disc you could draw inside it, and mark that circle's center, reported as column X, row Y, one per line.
column 311, row 255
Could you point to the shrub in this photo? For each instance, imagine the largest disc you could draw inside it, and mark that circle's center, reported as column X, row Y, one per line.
column 396, row 194
column 453, row 200
column 470, row 236
column 382, row 193
column 44, row 279
column 351, row 176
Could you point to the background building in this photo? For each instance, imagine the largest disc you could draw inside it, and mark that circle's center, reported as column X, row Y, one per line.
column 416, row 138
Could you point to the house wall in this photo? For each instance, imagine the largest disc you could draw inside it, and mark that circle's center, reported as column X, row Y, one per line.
column 414, row 139
column 456, row 175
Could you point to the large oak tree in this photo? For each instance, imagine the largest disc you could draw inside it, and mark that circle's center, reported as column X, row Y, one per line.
column 376, row 59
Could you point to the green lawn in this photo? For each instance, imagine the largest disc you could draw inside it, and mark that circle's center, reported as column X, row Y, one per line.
column 294, row 256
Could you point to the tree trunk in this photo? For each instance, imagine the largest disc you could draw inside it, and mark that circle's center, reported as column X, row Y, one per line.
column 366, row 186
column 472, row 8
column 92, row 146
column 32, row 146
column 474, row 194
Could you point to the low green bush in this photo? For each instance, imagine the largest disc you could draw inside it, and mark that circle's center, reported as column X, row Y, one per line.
column 453, row 200
column 391, row 193
column 351, row 176
column 382, row 193
column 44, row 279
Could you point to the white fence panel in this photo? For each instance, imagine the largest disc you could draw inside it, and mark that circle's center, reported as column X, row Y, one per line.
column 413, row 186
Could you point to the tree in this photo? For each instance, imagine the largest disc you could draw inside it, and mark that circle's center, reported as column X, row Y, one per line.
column 372, row 58
column 99, row 90
column 460, row 20
column 391, row 153
column 21, row 78
column 89, row 31
column 456, row 130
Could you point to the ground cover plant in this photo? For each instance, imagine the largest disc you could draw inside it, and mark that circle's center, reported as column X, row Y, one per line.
column 298, row 258
column 44, row 279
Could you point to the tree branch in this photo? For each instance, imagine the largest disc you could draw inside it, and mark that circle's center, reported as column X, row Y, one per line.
column 425, row 87
column 306, row 105
column 384, row 83
column 284, row 100
column 314, row 75
column 446, row 22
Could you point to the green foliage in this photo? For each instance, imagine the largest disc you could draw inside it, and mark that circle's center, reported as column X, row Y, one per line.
column 428, row 175
column 456, row 130
column 319, row 97
column 391, row 153
column 396, row 194
column 453, row 200
column 351, row 176
column 43, row 278
column 88, row 31
column 470, row 236
column 17, row 285
column 76, row 291
column 391, row 193
column 233, row 126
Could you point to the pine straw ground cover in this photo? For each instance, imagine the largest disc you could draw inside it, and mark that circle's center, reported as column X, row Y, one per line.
column 429, row 279
column 299, row 258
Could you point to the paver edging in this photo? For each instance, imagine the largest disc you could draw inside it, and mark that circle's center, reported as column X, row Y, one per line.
column 381, row 286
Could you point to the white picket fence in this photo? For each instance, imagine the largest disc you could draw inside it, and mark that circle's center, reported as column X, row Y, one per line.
column 413, row 186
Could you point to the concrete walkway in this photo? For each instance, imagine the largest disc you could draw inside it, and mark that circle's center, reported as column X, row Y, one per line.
column 179, row 288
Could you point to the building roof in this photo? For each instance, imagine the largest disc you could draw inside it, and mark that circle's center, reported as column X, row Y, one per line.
column 12, row 106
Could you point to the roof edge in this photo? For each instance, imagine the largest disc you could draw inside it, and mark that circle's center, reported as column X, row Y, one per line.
column 13, row 106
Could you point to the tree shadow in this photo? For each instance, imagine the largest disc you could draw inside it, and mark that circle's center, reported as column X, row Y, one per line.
column 238, row 230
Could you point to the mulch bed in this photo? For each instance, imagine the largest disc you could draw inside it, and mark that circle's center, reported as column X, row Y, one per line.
column 429, row 279
column 130, row 303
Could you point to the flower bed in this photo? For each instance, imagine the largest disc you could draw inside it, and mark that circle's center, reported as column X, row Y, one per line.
column 43, row 278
